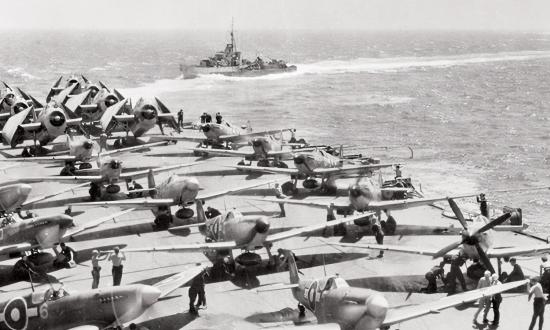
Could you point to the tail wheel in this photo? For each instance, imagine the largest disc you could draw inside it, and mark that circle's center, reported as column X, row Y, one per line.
column 94, row 191
column 263, row 163
column 282, row 165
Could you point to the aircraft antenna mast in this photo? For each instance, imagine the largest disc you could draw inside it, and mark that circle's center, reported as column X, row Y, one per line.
column 233, row 37
column 324, row 266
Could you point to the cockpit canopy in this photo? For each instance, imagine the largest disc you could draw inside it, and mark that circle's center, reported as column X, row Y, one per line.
column 49, row 295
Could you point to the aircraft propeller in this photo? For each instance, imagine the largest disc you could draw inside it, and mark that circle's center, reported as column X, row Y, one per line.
column 472, row 237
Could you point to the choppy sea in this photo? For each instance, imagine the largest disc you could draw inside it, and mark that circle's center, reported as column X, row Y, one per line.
column 474, row 106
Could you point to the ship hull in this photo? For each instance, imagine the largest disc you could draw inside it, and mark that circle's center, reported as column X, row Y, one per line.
column 236, row 71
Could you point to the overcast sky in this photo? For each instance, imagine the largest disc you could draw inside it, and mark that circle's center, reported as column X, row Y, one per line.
column 277, row 14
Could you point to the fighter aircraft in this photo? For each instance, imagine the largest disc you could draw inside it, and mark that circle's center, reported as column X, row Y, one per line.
column 80, row 149
column 333, row 301
column 13, row 101
column 365, row 195
column 109, row 173
column 141, row 118
column 476, row 242
column 73, row 85
column 267, row 150
column 174, row 191
column 316, row 164
column 45, row 126
column 233, row 230
column 105, row 308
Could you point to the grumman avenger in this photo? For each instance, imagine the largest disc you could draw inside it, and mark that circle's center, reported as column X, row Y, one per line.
column 233, row 230
column 316, row 164
column 109, row 173
column 105, row 308
column 146, row 114
column 73, row 85
column 13, row 101
column 333, row 301
column 476, row 242
column 45, row 126
column 80, row 149
column 180, row 191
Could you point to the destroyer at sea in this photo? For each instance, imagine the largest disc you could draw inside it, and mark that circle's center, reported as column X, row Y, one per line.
column 230, row 63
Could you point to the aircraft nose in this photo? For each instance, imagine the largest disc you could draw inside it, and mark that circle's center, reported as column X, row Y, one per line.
column 149, row 295
column 193, row 184
column 65, row 221
column 300, row 159
column 257, row 143
column 88, row 145
column 149, row 113
column 355, row 191
column 205, row 128
column 262, row 226
column 377, row 306
column 24, row 190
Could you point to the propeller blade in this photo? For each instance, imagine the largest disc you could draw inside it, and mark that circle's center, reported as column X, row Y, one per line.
column 492, row 224
column 458, row 213
column 447, row 249
column 484, row 259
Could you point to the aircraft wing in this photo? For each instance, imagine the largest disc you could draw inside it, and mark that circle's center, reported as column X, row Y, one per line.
column 75, row 101
column 350, row 169
column 247, row 135
column 135, row 174
column 517, row 251
column 106, row 121
column 135, row 202
column 74, row 122
column 306, row 229
column 95, row 223
column 401, row 314
column 85, row 327
column 129, row 149
column 7, row 249
column 46, row 196
column 276, row 170
column 60, row 158
column 124, row 118
column 31, row 127
column 411, row 202
column 187, row 247
column 60, row 178
column 233, row 190
column 88, row 108
column 171, row 283
column 386, row 247
column 224, row 152
column 308, row 202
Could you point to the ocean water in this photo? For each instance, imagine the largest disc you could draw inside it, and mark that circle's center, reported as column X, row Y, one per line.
column 474, row 106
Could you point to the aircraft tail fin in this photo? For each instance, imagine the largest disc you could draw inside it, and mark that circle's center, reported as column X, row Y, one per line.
column 248, row 127
column 292, row 267
column 201, row 216
column 341, row 151
column 151, row 183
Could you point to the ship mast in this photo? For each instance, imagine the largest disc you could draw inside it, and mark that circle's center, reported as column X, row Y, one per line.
column 232, row 37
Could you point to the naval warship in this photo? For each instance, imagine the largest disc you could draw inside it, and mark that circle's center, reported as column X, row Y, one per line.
column 230, row 63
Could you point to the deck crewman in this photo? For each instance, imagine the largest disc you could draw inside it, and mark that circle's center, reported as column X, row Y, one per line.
column 116, row 258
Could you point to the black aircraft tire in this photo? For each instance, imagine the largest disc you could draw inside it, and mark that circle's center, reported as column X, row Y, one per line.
column 84, row 166
column 282, row 165
column 163, row 221
column 391, row 225
column 288, row 188
column 184, row 213
column 113, row 189
column 263, row 163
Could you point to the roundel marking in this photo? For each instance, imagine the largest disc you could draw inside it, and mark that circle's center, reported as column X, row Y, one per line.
column 15, row 314
column 44, row 311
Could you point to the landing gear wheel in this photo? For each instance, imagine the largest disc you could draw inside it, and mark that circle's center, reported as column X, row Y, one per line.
column 184, row 213
column 390, row 226
column 288, row 188
column 162, row 221
column 329, row 190
column 84, row 166
column 94, row 191
column 112, row 189
column 281, row 165
column 263, row 163
column 117, row 144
